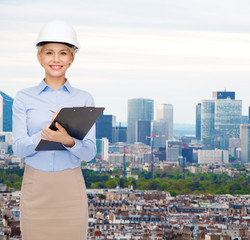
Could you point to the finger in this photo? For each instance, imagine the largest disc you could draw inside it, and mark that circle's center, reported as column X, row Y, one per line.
column 54, row 116
column 59, row 127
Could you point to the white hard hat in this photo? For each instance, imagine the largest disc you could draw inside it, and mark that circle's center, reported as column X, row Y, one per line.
column 59, row 32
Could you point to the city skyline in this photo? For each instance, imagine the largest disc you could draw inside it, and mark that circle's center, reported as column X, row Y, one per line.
column 172, row 52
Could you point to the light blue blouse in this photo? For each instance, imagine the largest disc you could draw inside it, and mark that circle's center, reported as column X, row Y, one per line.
column 31, row 113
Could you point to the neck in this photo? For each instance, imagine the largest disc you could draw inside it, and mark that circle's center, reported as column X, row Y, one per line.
column 55, row 83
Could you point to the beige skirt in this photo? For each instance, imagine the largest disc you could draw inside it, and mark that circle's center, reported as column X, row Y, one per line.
column 53, row 205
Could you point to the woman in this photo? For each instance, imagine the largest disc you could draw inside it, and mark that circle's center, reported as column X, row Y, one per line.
column 53, row 198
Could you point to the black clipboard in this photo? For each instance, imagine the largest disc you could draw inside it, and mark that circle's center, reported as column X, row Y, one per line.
column 76, row 120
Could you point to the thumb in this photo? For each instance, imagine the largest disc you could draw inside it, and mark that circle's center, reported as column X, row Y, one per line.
column 59, row 126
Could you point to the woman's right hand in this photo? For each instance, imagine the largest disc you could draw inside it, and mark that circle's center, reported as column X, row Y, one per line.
column 54, row 116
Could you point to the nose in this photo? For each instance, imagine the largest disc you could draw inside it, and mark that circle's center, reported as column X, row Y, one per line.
column 56, row 57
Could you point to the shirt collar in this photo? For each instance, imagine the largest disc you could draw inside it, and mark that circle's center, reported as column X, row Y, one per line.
column 43, row 86
column 67, row 86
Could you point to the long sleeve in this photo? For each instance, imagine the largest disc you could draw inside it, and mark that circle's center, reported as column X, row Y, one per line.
column 23, row 144
column 31, row 113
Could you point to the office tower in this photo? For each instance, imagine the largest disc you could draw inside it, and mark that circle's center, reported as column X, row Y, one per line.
column 216, row 156
column 244, row 120
column 245, row 142
column 120, row 133
column 234, row 144
column 160, row 129
column 224, row 95
column 227, row 120
column 207, row 121
column 220, row 120
column 1, row 113
column 173, row 150
column 105, row 127
column 198, row 122
column 138, row 109
column 187, row 153
column 102, row 147
column 143, row 131
column 248, row 114
column 6, row 106
column 165, row 112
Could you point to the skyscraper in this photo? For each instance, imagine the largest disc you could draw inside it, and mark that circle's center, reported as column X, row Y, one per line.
column 198, row 121
column 160, row 128
column 120, row 133
column 142, row 131
column 248, row 114
column 105, row 127
column 6, row 106
column 1, row 113
column 138, row 109
column 220, row 119
column 207, row 121
column 165, row 112
column 227, row 120
column 224, row 95
column 245, row 142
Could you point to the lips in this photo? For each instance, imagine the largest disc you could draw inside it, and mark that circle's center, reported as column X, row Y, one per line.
column 56, row 67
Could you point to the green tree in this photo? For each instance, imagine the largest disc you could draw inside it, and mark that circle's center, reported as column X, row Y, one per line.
column 111, row 183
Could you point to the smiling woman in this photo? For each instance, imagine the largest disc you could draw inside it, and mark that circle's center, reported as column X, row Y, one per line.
column 55, row 58
column 53, row 201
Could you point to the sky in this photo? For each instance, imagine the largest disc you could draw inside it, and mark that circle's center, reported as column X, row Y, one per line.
column 172, row 51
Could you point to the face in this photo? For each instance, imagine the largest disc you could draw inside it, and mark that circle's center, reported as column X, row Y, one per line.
column 55, row 59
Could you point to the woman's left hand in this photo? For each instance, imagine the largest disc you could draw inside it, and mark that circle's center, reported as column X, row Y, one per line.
column 60, row 135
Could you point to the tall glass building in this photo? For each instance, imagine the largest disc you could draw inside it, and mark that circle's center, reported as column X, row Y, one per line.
column 227, row 117
column 198, row 122
column 105, row 127
column 138, row 109
column 160, row 128
column 142, row 131
column 6, row 112
column 245, row 142
column 207, row 121
column 220, row 120
column 165, row 112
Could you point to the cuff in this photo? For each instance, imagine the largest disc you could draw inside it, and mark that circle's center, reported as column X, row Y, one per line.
column 76, row 147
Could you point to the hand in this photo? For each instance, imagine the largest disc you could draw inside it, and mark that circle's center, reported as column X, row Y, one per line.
column 60, row 135
column 54, row 116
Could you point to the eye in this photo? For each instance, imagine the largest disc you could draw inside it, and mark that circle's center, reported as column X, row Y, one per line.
column 48, row 53
column 63, row 53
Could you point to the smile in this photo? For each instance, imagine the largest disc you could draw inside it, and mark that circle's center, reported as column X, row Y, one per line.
column 56, row 67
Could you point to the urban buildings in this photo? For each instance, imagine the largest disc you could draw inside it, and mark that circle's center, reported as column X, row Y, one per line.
column 198, row 122
column 120, row 133
column 207, row 122
column 139, row 109
column 165, row 112
column 173, row 150
column 220, row 119
column 143, row 131
column 126, row 214
column 245, row 142
column 1, row 113
column 160, row 129
column 216, row 156
column 6, row 103
column 102, row 146
column 105, row 127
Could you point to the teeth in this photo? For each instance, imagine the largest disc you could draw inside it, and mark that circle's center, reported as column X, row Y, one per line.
column 56, row 67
